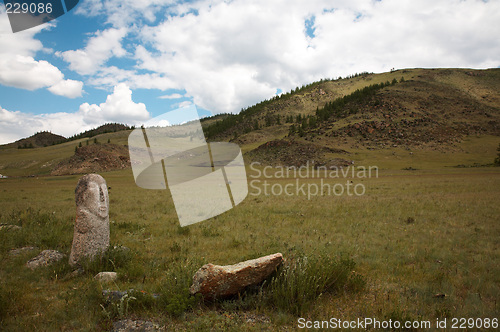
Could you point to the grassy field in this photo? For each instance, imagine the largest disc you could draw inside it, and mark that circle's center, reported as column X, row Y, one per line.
column 424, row 244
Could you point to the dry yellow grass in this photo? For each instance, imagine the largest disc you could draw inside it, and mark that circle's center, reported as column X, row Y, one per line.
column 413, row 234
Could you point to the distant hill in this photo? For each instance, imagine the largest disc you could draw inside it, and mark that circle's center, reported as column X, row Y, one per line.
column 38, row 140
column 45, row 138
column 44, row 160
column 104, row 129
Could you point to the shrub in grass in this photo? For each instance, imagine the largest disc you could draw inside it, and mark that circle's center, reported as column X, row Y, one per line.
column 120, row 309
column 133, row 302
column 302, row 279
column 110, row 260
column 175, row 298
column 177, row 303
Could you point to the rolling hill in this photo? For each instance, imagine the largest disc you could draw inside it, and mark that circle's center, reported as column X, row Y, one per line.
column 421, row 110
column 41, row 139
column 407, row 117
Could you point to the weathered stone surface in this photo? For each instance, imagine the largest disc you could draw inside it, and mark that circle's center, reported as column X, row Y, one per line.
column 45, row 258
column 128, row 325
column 215, row 281
column 105, row 277
column 91, row 234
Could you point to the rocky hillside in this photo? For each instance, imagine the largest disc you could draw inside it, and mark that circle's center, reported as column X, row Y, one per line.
column 94, row 158
column 431, row 109
column 296, row 153
column 411, row 114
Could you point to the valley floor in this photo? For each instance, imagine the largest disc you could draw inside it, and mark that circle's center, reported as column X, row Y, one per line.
column 425, row 240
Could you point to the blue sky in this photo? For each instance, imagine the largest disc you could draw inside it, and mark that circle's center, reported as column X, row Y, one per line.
column 128, row 61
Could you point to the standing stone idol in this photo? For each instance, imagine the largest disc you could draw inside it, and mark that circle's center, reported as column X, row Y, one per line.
column 91, row 234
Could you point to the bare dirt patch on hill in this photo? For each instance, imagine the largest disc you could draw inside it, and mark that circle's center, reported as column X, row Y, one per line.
column 295, row 153
column 94, row 158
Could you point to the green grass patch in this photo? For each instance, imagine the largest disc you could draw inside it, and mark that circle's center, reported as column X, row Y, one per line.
column 412, row 235
column 44, row 230
column 301, row 280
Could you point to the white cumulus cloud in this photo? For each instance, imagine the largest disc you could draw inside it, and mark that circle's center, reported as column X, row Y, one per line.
column 24, row 72
column 104, row 45
column 111, row 76
column 67, row 88
column 172, row 96
column 15, row 125
column 118, row 107
column 20, row 69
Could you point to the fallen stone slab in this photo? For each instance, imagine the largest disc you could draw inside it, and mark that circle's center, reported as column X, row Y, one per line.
column 215, row 281
column 46, row 257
